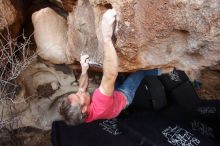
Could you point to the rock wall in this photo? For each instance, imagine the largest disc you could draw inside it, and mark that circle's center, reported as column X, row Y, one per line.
column 50, row 33
column 159, row 33
column 43, row 87
column 7, row 13
column 12, row 16
column 149, row 34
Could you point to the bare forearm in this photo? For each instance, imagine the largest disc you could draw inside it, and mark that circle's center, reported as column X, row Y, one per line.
column 110, row 63
column 84, row 79
column 83, row 82
column 110, row 69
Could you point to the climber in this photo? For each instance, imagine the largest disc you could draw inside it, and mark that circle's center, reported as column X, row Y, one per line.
column 107, row 101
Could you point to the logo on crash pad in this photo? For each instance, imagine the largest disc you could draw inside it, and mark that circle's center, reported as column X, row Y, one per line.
column 174, row 76
column 110, row 126
column 180, row 137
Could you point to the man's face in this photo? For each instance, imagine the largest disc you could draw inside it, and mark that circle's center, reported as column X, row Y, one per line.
column 81, row 98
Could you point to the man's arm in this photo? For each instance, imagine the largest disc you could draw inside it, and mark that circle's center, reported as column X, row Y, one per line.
column 84, row 79
column 110, row 63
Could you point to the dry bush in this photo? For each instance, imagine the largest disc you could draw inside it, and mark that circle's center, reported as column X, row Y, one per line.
column 14, row 58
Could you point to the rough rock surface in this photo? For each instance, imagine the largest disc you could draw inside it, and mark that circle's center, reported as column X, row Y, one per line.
column 12, row 16
column 43, row 86
column 82, row 36
column 67, row 5
column 149, row 34
column 159, row 33
column 50, row 33
column 210, row 78
column 7, row 14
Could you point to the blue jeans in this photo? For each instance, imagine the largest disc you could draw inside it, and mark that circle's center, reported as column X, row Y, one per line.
column 131, row 83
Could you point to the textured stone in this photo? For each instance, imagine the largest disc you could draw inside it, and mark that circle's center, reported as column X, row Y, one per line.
column 68, row 5
column 13, row 16
column 38, row 107
column 210, row 78
column 82, row 36
column 43, row 110
column 7, row 14
column 159, row 33
column 149, row 34
column 50, row 33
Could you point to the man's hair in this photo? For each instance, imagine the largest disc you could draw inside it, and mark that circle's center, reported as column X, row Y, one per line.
column 71, row 113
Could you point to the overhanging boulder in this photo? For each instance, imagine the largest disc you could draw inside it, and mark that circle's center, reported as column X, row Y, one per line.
column 50, row 31
column 160, row 33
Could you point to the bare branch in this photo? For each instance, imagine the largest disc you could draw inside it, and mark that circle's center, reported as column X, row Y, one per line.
column 14, row 59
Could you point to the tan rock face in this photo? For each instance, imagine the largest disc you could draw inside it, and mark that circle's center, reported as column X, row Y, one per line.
column 159, row 33
column 149, row 34
column 7, row 14
column 210, row 78
column 50, row 33
column 82, row 36
column 69, row 4
column 12, row 16
column 43, row 87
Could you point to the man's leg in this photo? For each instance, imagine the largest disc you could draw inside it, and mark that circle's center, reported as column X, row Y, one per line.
column 130, row 85
column 119, row 81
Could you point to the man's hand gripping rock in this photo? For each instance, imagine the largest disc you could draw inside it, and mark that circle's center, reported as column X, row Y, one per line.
column 84, row 61
column 107, row 25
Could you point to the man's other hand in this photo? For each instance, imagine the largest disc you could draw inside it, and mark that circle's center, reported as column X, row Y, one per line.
column 84, row 61
column 107, row 25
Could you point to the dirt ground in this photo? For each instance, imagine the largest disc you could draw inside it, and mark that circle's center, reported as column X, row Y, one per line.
column 26, row 137
column 210, row 88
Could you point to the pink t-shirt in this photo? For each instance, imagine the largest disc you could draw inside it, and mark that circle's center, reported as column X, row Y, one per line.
column 105, row 107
